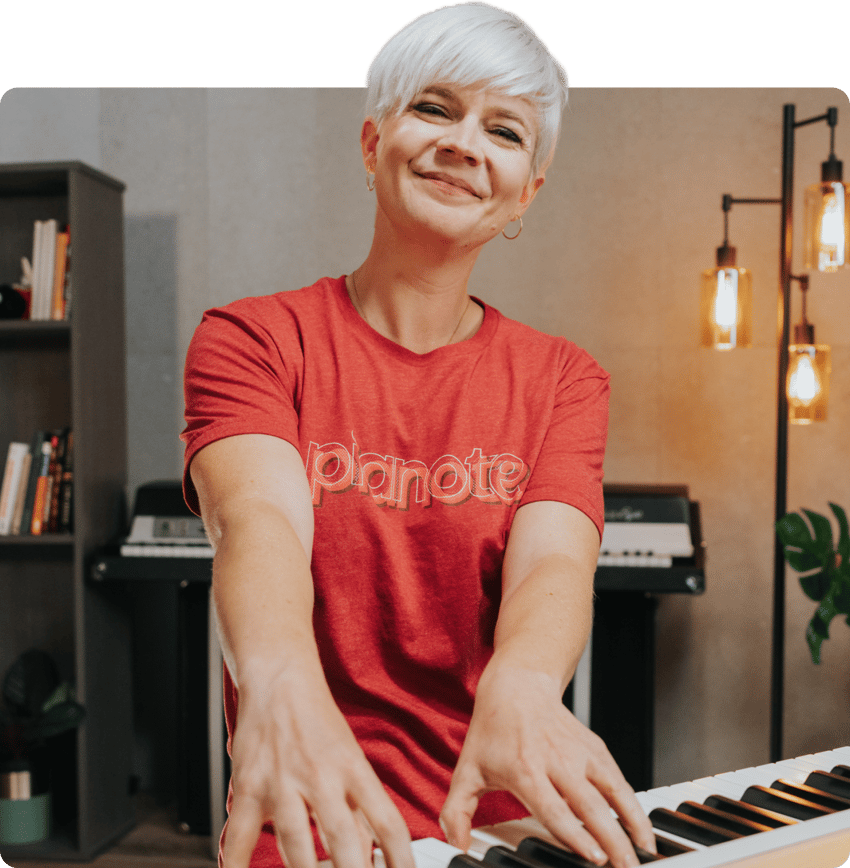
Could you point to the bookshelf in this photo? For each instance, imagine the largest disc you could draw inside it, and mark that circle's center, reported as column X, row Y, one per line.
column 54, row 374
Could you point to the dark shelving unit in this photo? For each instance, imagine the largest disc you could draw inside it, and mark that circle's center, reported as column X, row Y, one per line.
column 72, row 373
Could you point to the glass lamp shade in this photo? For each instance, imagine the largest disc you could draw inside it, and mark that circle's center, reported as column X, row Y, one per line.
column 809, row 367
column 726, row 308
column 827, row 227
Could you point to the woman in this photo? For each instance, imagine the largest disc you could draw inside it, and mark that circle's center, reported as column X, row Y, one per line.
column 399, row 621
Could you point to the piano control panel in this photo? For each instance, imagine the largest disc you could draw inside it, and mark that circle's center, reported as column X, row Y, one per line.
column 652, row 541
column 790, row 814
column 163, row 526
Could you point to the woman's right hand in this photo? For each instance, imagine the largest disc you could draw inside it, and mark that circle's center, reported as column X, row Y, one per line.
column 295, row 758
column 294, row 755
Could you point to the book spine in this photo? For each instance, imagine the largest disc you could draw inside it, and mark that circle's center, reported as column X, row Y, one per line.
column 57, row 306
column 47, row 275
column 66, row 289
column 56, row 482
column 66, row 497
column 43, row 465
column 7, row 494
column 37, row 266
column 22, row 492
column 35, row 468
column 48, row 485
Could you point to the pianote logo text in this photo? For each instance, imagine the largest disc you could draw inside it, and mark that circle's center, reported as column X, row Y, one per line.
column 396, row 482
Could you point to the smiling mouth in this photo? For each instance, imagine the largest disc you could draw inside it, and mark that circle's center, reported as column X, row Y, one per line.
column 449, row 183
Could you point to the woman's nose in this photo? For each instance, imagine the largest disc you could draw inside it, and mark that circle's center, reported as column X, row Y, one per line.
column 462, row 140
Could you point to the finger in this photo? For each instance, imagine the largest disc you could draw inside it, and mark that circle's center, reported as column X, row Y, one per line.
column 243, row 829
column 620, row 796
column 341, row 832
column 293, row 834
column 588, row 805
column 636, row 823
column 460, row 806
column 382, row 818
column 549, row 807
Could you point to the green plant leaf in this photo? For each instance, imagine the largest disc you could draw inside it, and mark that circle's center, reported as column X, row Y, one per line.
column 815, row 586
column 841, row 595
column 843, row 533
column 803, row 561
column 823, row 532
column 793, row 531
column 818, row 626
column 814, row 640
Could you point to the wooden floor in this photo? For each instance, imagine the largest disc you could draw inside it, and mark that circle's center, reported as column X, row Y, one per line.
column 155, row 842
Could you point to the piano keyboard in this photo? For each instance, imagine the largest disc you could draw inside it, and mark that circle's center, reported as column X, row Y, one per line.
column 165, row 550
column 790, row 814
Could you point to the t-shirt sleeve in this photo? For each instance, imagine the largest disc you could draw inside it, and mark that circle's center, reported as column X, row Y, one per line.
column 569, row 467
column 241, row 377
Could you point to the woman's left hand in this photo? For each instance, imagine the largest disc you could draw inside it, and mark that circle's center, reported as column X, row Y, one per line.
column 524, row 740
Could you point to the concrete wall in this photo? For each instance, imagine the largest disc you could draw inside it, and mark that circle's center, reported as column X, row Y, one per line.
column 239, row 192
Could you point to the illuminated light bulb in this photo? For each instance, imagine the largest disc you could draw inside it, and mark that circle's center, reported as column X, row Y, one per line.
column 827, row 229
column 809, row 369
column 832, row 253
column 803, row 383
column 726, row 303
column 726, row 300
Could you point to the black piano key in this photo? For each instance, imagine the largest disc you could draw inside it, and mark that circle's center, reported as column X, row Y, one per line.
column 554, row 856
column 690, row 828
column 819, row 797
column 731, row 822
column 783, row 803
column 842, row 770
column 505, row 857
column 667, row 847
column 838, row 785
column 464, row 860
column 749, row 812
column 546, row 853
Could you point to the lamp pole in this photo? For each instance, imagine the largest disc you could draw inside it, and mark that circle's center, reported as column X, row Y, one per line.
column 786, row 249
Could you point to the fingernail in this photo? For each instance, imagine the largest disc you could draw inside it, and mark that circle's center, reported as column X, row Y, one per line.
column 598, row 857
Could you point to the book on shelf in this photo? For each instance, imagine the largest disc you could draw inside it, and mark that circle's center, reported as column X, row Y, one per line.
column 12, row 477
column 37, row 489
column 51, row 273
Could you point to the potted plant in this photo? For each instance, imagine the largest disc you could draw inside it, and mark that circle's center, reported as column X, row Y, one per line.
column 36, row 707
column 824, row 564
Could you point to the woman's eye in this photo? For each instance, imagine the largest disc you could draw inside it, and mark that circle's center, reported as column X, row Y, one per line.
column 430, row 109
column 510, row 135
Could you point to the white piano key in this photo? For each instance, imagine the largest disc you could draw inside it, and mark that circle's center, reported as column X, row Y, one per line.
column 839, row 756
column 720, row 787
column 677, row 793
column 649, row 802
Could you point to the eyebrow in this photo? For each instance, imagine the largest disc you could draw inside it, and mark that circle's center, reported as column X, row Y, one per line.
column 505, row 113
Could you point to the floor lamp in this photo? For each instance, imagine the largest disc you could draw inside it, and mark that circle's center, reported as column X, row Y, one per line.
column 726, row 324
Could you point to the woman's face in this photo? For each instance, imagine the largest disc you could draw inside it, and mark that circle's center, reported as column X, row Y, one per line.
column 456, row 162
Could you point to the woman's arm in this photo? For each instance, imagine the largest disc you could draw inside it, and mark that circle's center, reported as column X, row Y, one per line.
column 294, row 755
column 521, row 737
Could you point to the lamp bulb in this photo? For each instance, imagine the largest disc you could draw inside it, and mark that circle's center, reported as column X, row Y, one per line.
column 804, row 384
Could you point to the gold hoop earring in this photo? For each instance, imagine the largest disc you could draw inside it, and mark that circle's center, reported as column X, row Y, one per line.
column 514, row 237
column 370, row 176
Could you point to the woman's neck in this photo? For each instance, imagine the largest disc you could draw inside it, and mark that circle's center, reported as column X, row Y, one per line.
column 416, row 295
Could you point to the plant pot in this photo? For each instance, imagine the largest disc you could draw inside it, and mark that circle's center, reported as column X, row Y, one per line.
column 24, row 817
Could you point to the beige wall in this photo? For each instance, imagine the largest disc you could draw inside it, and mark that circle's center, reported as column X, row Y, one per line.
column 265, row 191
column 269, row 193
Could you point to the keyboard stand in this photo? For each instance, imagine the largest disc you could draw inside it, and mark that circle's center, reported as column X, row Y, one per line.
column 204, row 768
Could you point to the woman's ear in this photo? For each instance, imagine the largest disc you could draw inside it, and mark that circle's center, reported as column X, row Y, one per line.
column 369, row 143
column 529, row 192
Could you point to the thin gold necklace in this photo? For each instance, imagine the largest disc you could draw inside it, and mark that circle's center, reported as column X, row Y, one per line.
column 359, row 306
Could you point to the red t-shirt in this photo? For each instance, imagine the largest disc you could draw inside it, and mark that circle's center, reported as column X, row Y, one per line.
column 417, row 465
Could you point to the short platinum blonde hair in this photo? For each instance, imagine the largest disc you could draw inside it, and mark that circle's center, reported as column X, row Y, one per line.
column 470, row 44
